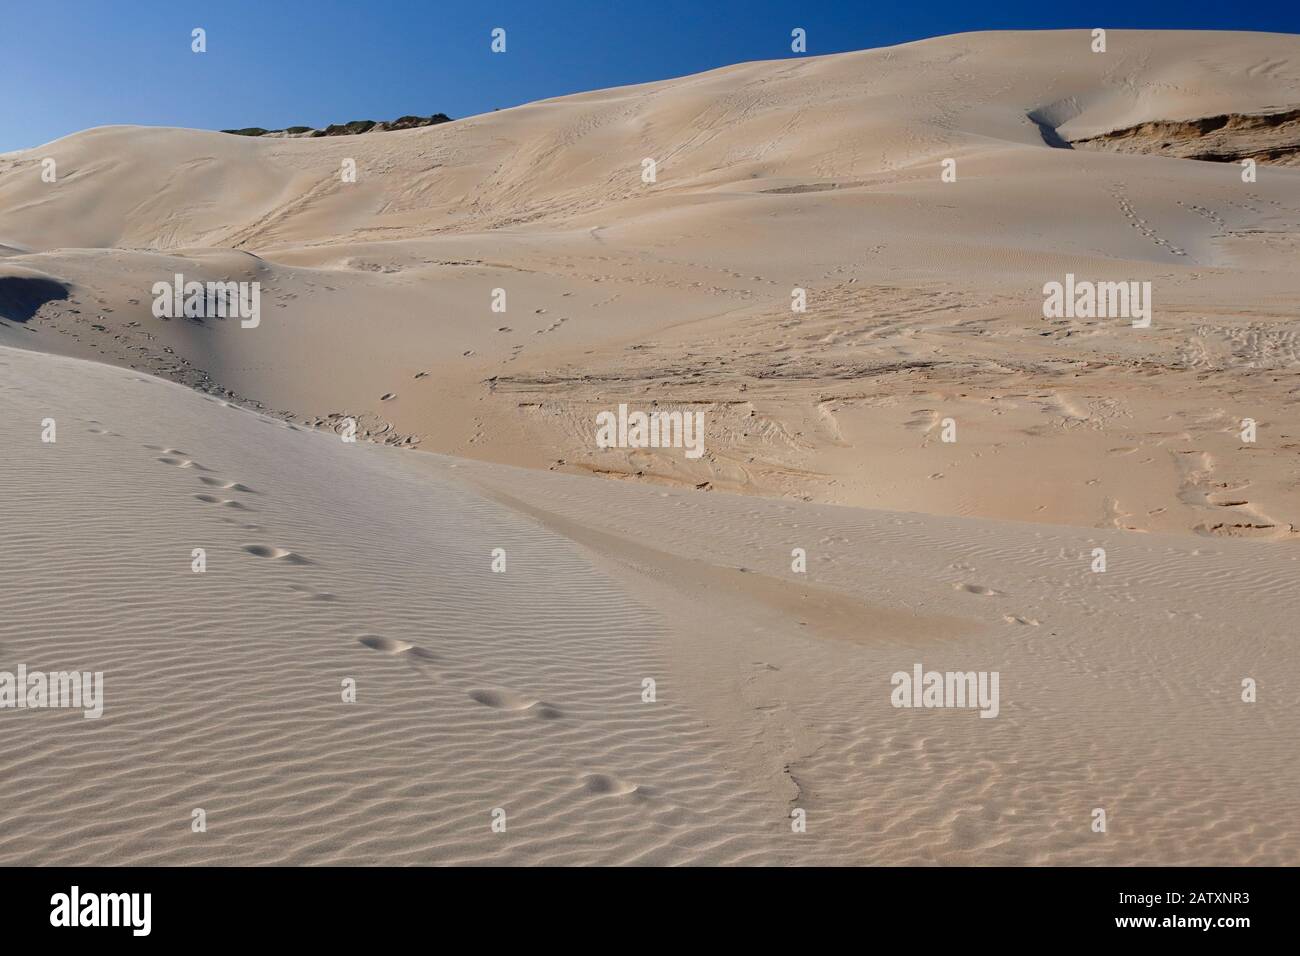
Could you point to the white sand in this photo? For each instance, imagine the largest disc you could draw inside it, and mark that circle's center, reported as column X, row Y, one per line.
column 523, row 690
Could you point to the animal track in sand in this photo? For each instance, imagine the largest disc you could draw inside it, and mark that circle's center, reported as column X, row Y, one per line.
column 387, row 396
column 509, row 700
column 1017, row 619
column 976, row 589
column 279, row 554
column 1142, row 225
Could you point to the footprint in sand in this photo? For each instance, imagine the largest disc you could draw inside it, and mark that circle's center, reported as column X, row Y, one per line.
column 386, row 645
column 397, row 648
column 278, row 554
column 226, row 485
column 224, row 502
column 182, row 463
column 314, row 595
column 976, row 589
column 1240, row 503
column 509, row 700
column 607, row 785
column 1016, row 619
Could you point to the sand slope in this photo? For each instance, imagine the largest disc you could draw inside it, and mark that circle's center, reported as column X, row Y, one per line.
column 523, row 691
column 819, row 118
column 326, row 561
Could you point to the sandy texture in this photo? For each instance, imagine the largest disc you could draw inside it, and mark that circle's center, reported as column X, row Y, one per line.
column 824, row 432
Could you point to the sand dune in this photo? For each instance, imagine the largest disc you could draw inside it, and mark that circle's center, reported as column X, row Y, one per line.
column 824, row 430
column 924, row 297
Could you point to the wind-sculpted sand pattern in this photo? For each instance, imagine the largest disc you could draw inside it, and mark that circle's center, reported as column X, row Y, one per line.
column 1125, row 682
column 610, row 480
column 520, row 690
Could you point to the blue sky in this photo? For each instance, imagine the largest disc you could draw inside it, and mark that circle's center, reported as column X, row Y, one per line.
column 73, row 64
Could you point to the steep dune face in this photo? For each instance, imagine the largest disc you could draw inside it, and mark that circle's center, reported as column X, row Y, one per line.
column 849, row 115
column 1272, row 137
column 826, row 174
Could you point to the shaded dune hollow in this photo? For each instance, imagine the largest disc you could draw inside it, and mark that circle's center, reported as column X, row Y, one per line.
column 1271, row 137
column 21, row 297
